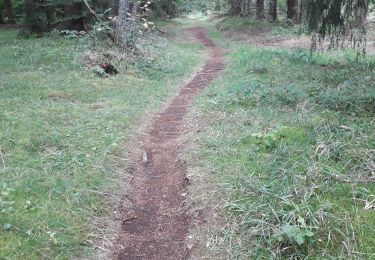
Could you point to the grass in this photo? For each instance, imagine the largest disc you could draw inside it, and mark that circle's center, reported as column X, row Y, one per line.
column 59, row 127
column 285, row 155
column 282, row 27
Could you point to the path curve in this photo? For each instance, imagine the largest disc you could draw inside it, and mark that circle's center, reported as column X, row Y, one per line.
column 156, row 226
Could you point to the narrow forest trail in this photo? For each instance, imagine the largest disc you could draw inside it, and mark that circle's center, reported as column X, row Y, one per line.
column 156, row 225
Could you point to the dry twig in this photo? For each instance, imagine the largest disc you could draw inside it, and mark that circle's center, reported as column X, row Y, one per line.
column 2, row 158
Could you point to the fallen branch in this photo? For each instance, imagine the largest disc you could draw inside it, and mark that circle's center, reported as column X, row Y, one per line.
column 352, row 181
column 97, row 18
column 162, row 32
column 92, row 11
column 2, row 158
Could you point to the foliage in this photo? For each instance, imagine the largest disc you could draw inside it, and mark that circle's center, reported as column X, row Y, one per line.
column 339, row 20
column 294, row 234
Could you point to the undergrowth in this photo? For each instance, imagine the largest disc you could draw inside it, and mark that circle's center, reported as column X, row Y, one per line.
column 59, row 128
column 288, row 141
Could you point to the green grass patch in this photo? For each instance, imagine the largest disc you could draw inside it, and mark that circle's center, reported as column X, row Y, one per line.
column 59, row 127
column 288, row 139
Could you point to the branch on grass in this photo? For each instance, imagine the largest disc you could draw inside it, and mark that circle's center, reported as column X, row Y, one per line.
column 2, row 158
column 161, row 31
column 352, row 181
column 96, row 16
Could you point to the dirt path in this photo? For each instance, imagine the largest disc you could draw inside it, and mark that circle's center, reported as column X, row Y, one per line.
column 155, row 227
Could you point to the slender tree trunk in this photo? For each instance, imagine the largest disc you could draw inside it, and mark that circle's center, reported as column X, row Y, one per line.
column 361, row 13
column 10, row 13
column 50, row 14
column 292, row 6
column 1, row 18
column 272, row 10
column 248, row 7
column 302, row 10
column 114, row 7
column 31, row 24
column 121, row 22
column 217, row 6
column 236, row 7
column 134, row 7
column 260, row 9
column 73, row 15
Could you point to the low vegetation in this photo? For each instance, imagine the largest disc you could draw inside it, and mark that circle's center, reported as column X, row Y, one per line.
column 288, row 141
column 61, row 126
column 282, row 158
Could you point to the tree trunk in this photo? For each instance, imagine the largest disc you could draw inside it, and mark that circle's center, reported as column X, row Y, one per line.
column 235, row 7
column 73, row 15
column 361, row 11
column 260, row 9
column 114, row 7
column 302, row 10
column 32, row 25
column 122, row 23
column 1, row 18
column 10, row 13
column 248, row 7
column 217, row 6
column 134, row 8
column 292, row 9
column 272, row 10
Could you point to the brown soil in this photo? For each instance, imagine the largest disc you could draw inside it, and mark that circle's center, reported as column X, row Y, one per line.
column 156, row 225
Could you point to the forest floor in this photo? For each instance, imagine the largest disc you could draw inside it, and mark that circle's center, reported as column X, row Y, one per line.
column 274, row 159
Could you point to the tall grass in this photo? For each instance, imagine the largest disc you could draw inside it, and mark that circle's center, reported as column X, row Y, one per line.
column 288, row 142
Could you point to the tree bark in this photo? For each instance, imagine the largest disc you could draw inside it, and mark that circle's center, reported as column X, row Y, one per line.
column 217, row 6
column 50, row 14
column 248, row 4
column 121, row 22
column 32, row 25
column 260, row 9
column 292, row 9
column 10, row 13
column 302, row 10
column 114, row 7
column 134, row 8
column 235, row 7
column 272, row 10
column 73, row 15
column 92, row 11
column 361, row 13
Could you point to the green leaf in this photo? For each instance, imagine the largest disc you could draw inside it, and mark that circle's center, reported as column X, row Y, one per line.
column 309, row 233
column 7, row 226
column 299, row 238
